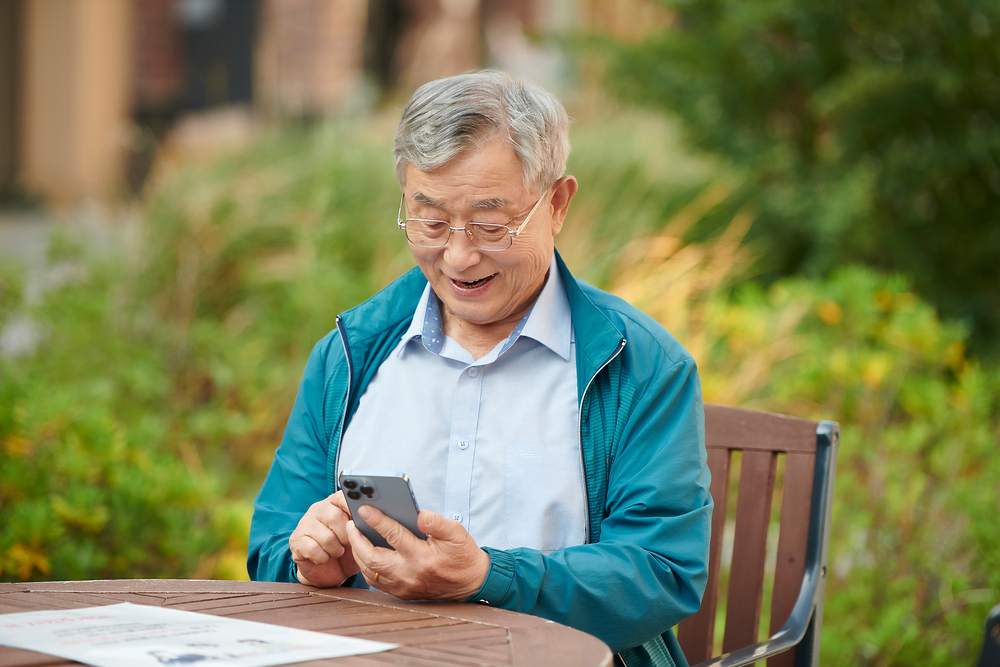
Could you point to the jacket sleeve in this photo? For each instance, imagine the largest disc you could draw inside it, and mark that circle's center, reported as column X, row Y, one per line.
column 647, row 569
column 297, row 477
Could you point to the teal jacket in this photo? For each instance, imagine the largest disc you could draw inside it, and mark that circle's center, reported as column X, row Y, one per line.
column 645, row 563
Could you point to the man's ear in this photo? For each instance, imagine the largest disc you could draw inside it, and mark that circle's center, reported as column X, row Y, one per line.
column 562, row 194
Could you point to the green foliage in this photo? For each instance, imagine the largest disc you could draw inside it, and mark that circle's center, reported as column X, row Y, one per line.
column 273, row 243
column 865, row 131
column 11, row 290
column 90, row 486
column 134, row 437
column 915, row 550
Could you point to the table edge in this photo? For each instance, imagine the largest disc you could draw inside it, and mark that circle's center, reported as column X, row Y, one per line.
column 470, row 612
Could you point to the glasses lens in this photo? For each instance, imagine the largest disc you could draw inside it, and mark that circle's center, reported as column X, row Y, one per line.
column 427, row 233
column 435, row 234
column 489, row 237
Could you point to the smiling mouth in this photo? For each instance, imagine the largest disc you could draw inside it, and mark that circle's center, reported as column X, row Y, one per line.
column 472, row 284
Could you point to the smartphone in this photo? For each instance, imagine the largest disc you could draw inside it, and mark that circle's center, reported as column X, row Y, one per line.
column 390, row 492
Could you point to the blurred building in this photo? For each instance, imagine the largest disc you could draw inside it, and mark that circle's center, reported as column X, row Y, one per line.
column 88, row 88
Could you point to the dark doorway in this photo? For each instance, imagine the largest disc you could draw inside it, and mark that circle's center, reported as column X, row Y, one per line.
column 10, row 17
column 217, row 40
column 385, row 26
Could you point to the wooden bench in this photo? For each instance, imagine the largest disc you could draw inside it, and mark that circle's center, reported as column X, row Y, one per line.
column 809, row 453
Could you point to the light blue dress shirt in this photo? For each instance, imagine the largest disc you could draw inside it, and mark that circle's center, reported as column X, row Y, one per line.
column 493, row 443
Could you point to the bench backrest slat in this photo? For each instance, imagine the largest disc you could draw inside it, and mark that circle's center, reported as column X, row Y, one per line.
column 698, row 630
column 792, row 540
column 763, row 439
column 746, row 573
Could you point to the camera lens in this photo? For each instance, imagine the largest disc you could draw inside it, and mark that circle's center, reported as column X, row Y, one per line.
column 350, row 484
column 353, row 495
column 367, row 490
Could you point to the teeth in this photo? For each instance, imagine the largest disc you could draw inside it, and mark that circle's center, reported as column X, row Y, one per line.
column 473, row 283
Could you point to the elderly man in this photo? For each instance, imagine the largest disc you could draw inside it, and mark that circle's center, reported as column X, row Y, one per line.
column 553, row 433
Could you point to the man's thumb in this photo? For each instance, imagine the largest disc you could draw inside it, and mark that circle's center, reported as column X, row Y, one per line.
column 433, row 524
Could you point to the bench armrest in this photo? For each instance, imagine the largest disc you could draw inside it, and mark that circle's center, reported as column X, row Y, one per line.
column 790, row 634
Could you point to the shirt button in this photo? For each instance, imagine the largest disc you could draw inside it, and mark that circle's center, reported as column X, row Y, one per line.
column 457, row 517
column 463, row 444
column 473, row 372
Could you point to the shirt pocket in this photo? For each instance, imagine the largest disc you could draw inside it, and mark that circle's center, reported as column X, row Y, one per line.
column 544, row 497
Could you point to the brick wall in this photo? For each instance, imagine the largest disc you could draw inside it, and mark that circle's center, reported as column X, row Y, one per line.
column 309, row 54
column 158, row 71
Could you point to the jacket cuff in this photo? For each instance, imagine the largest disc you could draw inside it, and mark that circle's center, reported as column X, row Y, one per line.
column 499, row 579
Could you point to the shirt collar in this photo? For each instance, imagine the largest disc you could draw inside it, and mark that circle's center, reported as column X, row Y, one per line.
column 426, row 324
column 548, row 321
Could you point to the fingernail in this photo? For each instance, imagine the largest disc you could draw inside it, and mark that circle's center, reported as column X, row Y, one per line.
column 365, row 512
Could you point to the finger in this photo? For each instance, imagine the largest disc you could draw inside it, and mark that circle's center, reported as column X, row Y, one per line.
column 306, row 549
column 338, row 501
column 434, row 525
column 365, row 557
column 375, row 578
column 313, row 530
column 360, row 545
column 339, row 522
column 331, row 512
column 396, row 534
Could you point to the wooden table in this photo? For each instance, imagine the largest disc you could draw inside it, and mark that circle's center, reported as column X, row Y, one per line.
column 429, row 633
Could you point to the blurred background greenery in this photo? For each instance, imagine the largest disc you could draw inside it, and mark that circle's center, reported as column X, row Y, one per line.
column 806, row 195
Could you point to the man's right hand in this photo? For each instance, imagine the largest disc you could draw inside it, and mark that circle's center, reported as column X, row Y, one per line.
column 319, row 545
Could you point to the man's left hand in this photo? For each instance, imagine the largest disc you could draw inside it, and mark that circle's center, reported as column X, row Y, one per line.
column 448, row 565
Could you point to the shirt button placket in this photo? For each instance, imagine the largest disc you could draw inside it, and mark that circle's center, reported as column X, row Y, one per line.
column 463, row 433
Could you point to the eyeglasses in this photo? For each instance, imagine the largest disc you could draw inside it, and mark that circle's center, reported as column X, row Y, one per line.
column 436, row 233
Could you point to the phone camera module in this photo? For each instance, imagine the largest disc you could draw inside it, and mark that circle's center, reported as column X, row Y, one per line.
column 350, row 484
column 367, row 490
column 353, row 495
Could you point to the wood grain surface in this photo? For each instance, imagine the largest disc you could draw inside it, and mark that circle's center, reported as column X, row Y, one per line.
column 429, row 633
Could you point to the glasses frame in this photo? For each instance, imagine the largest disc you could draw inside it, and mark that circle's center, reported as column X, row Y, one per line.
column 401, row 222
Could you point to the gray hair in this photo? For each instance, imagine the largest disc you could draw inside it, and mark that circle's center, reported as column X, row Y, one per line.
column 447, row 117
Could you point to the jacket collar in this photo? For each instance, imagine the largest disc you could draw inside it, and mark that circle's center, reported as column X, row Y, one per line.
column 597, row 338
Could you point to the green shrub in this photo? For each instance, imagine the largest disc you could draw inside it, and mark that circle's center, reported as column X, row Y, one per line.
column 11, row 290
column 866, row 132
column 90, row 482
column 915, row 552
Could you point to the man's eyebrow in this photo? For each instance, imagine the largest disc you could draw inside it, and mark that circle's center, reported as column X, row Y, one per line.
column 421, row 198
column 491, row 204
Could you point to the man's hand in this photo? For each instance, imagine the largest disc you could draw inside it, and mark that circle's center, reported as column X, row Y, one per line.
column 449, row 565
column 320, row 546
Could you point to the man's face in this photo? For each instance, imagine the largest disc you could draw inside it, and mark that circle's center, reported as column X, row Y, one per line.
column 483, row 292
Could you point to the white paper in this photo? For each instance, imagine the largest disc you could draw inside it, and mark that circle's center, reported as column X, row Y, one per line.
column 131, row 635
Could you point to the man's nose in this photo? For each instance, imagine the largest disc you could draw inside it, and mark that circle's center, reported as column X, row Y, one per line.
column 460, row 252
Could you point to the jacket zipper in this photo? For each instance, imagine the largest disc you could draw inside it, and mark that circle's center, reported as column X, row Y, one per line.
column 579, row 429
column 343, row 418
